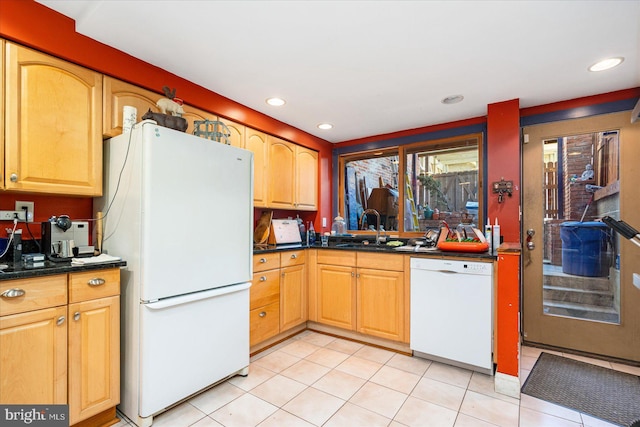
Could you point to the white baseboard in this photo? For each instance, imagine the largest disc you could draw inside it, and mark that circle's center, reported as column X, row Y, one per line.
column 507, row 384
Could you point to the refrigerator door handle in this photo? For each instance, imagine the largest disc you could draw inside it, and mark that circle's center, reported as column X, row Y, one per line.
column 196, row 296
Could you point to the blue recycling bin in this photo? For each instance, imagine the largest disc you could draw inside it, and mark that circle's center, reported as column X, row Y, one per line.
column 585, row 248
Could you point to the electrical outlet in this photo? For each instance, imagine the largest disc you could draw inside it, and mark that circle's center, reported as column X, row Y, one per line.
column 29, row 206
column 10, row 215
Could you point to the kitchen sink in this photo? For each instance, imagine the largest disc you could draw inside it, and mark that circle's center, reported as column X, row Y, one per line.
column 362, row 246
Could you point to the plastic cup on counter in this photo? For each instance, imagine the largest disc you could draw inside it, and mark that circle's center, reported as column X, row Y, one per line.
column 325, row 239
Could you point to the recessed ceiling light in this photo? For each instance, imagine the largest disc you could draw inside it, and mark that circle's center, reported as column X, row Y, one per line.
column 276, row 102
column 605, row 64
column 325, row 126
column 454, row 99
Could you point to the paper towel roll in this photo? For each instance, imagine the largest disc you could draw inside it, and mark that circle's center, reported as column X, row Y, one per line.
column 129, row 118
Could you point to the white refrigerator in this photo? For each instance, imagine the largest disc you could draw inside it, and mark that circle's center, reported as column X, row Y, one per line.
column 178, row 209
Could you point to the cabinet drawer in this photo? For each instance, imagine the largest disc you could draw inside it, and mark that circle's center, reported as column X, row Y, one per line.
column 264, row 262
column 94, row 284
column 292, row 258
column 265, row 288
column 264, row 323
column 336, row 257
column 32, row 294
column 394, row 262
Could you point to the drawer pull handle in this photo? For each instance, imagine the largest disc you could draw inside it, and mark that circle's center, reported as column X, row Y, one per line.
column 294, row 256
column 13, row 293
column 263, row 278
column 76, row 316
column 60, row 320
column 262, row 313
column 263, row 260
column 96, row 282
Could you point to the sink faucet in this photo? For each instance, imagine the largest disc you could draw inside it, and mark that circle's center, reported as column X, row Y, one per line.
column 375, row 212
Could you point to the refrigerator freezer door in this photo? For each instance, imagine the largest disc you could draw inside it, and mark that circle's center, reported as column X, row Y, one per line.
column 191, row 343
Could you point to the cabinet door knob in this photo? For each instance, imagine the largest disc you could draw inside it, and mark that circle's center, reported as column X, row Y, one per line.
column 294, row 256
column 263, row 260
column 96, row 282
column 60, row 320
column 76, row 316
column 263, row 278
column 14, row 177
column 262, row 313
column 13, row 293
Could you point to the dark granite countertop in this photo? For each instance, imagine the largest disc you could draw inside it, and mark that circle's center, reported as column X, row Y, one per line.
column 24, row 271
column 358, row 245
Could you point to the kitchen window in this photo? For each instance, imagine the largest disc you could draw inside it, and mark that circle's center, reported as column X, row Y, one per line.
column 413, row 187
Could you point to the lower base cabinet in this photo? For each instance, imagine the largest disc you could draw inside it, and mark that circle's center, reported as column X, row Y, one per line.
column 33, row 365
column 278, row 296
column 362, row 292
column 60, row 343
column 94, row 357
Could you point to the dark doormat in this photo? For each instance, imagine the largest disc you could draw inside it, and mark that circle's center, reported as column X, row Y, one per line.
column 604, row 393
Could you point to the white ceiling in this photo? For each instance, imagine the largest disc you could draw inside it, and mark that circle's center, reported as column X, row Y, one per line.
column 374, row 67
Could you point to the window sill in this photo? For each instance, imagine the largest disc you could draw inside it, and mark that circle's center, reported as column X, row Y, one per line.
column 607, row 191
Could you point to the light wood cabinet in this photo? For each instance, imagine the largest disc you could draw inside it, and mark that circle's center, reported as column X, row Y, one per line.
column 236, row 132
column 60, row 343
column 117, row 94
column 2, row 107
column 257, row 143
column 281, row 174
column 336, row 295
column 380, row 303
column 278, row 295
column 33, row 368
column 53, row 125
column 293, row 289
column 264, row 298
column 94, row 343
column 293, row 176
column 361, row 291
column 306, row 187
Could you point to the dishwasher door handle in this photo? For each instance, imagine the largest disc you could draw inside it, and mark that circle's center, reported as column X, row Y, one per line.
column 447, row 271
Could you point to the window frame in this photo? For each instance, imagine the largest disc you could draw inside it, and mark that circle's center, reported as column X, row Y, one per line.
column 401, row 151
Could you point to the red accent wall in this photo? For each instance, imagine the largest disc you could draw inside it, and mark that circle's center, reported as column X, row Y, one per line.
column 34, row 25
column 77, row 208
column 503, row 161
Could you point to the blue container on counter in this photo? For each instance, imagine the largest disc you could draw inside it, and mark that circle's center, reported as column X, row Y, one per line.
column 585, row 248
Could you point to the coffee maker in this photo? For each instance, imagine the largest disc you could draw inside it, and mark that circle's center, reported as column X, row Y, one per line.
column 60, row 235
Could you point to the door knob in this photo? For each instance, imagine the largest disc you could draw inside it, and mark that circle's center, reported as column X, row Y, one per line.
column 530, row 245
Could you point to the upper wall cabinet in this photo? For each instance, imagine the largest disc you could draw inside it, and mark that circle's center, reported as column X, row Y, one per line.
column 293, row 176
column 117, row 94
column 2, row 47
column 237, row 132
column 257, row 143
column 282, row 173
column 306, row 179
column 53, row 124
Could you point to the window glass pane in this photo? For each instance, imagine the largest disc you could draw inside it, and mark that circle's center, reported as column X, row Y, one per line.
column 372, row 182
column 581, row 270
column 442, row 184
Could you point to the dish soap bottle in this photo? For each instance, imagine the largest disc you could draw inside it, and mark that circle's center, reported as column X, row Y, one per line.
column 312, row 234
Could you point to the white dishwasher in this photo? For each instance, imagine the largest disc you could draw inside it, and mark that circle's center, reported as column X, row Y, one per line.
column 452, row 312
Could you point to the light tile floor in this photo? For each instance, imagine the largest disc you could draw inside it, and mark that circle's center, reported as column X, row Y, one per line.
column 314, row 379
